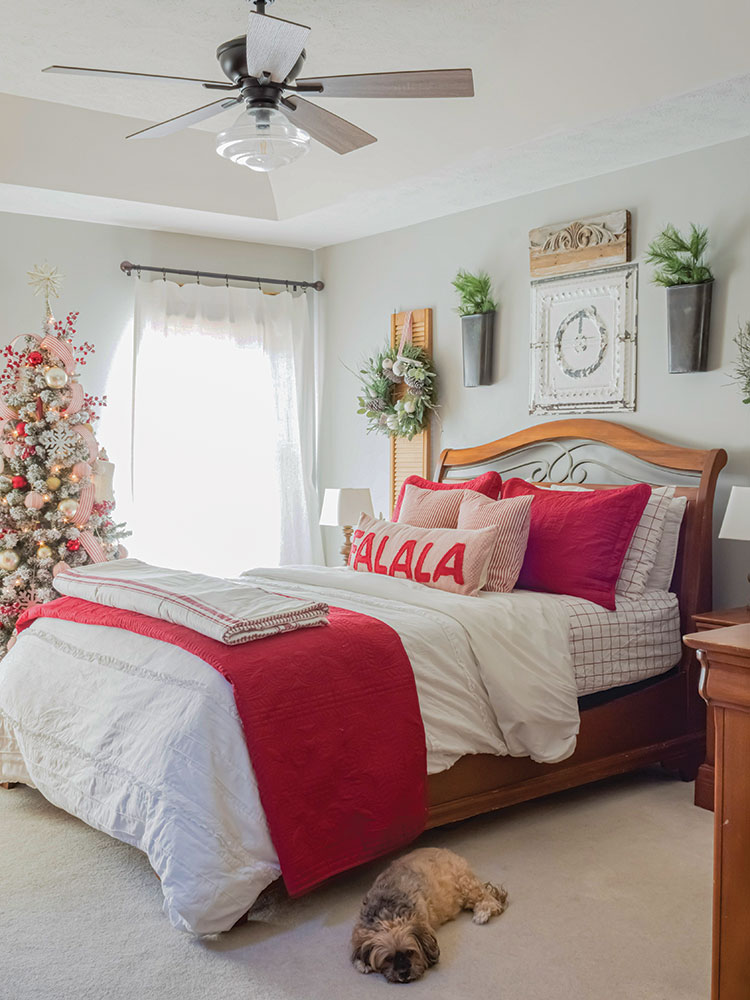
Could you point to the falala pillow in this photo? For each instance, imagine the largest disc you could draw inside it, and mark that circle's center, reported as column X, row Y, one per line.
column 577, row 541
column 512, row 518
column 431, row 508
column 488, row 483
column 445, row 558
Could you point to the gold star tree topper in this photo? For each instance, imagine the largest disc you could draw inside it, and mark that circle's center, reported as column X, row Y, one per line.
column 47, row 281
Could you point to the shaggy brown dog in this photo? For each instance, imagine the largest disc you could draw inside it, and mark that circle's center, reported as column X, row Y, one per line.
column 395, row 933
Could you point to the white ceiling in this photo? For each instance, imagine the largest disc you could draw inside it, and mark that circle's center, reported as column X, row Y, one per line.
column 565, row 89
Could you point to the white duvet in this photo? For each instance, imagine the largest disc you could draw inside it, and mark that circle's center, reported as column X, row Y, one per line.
column 142, row 740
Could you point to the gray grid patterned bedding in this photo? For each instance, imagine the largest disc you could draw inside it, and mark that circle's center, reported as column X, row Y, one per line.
column 640, row 639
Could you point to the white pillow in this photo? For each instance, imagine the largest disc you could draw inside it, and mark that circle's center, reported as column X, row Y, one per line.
column 644, row 545
column 660, row 577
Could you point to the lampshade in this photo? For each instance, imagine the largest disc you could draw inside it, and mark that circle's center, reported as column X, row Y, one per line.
column 343, row 507
column 736, row 523
column 262, row 139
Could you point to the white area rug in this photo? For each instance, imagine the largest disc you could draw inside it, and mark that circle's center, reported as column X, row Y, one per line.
column 610, row 897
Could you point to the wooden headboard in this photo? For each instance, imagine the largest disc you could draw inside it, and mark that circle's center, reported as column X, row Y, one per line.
column 589, row 444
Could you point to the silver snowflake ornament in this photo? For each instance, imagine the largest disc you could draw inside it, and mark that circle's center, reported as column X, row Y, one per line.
column 59, row 442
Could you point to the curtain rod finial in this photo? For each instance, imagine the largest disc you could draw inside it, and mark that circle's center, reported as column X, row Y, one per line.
column 319, row 286
column 126, row 267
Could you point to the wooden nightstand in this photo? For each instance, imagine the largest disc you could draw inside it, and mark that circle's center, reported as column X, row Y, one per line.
column 704, row 783
column 724, row 655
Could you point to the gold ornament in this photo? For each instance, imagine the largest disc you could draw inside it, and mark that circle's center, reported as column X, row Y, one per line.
column 8, row 560
column 44, row 552
column 68, row 507
column 56, row 378
column 53, row 483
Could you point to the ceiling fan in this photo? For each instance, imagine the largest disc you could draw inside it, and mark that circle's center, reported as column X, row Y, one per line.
column 277, row 124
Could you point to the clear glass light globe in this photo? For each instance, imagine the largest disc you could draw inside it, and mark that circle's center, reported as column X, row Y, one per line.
column 262, row 139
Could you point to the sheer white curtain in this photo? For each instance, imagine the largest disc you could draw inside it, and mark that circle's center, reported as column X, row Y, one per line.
column 222, row 454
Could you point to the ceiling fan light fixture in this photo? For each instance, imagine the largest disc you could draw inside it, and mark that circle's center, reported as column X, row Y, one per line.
column 262, row 139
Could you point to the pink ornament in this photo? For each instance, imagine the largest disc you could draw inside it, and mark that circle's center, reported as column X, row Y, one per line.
column 34, row 501
column 11, row 642
column 58, row 568
column 122, row 552
column 82, row 470
column 9, row 449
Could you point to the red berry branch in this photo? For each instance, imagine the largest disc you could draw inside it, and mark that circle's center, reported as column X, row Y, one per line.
column 94, row 403
column 9, row 374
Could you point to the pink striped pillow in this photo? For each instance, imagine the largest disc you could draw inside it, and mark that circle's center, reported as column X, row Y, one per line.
column 430, row 508
column 512, row 518
column 444, row 558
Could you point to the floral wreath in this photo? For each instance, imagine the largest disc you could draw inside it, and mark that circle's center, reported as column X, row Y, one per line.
column 406, row 366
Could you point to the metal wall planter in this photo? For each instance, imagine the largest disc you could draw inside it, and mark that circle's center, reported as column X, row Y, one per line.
column 688, row 323
column 478, row 334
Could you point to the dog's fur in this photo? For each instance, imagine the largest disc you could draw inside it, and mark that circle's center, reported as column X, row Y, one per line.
column 395, row 933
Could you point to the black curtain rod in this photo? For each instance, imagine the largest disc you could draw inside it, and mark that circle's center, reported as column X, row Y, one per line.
column 127, row 268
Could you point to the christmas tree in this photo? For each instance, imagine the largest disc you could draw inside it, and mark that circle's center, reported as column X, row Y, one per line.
column 55, row 501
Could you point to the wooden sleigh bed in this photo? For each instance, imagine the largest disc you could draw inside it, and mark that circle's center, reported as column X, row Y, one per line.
column 658, row 720
column 661, row 720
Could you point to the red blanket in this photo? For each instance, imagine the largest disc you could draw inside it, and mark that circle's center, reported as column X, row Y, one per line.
column 333, row 726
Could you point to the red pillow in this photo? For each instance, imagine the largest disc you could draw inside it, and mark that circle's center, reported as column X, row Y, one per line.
column 577, row 542
column 489, row 483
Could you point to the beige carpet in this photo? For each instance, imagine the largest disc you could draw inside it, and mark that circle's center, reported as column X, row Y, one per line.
column 610, row 890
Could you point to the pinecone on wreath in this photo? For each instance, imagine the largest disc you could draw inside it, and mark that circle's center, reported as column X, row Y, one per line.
column 414, row 378
column 376, row 404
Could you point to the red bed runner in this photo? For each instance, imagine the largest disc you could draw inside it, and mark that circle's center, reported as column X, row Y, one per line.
column 333, row 726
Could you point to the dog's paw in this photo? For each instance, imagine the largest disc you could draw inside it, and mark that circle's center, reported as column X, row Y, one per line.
column 360, row 966
column 499, row 892
column 493, row 904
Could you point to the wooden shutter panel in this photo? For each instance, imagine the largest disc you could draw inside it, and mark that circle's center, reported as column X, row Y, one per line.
column 410, row 458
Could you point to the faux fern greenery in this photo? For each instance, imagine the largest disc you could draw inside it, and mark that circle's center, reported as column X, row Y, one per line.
column 679, row 260
column 475, row 291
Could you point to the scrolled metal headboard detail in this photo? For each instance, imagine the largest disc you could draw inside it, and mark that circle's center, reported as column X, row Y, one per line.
column 570, row 463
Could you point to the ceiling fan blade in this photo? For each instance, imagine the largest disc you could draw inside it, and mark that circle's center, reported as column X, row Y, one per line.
column 336, row 133
column 184, row 121
column 85, row 71
column 273, row 46
column 414, row 83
